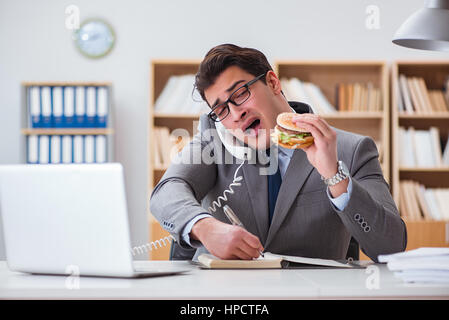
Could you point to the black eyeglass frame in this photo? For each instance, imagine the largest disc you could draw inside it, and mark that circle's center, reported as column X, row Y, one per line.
column 212, row 114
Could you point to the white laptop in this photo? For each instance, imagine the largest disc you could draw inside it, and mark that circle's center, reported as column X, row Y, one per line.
column 66, row 217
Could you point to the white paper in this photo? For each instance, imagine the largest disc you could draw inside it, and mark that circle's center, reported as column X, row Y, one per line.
column 311, row 261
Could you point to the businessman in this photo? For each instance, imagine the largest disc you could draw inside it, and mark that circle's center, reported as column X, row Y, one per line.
column 311, row 205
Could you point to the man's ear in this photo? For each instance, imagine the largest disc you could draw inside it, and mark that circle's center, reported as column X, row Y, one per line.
column 273, row 82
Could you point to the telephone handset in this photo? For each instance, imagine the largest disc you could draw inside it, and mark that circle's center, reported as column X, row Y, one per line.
column 239, row 151
column 231, row 143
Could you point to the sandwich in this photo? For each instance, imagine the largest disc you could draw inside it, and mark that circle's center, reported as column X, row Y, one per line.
column 288, row 135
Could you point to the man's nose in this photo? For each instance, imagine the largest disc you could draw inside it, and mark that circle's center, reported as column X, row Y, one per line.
column 237, row 112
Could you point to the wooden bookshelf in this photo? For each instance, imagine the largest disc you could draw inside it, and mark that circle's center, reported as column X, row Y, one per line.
column 380, row 125
column 160, row 71
column 434, row 73
column 327, row 75
column 68, row 131
column 67, row 83
column 28, row 131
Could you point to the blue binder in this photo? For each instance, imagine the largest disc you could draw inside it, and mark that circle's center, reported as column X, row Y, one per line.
column 91, row 107
column 68, row 118
column 46, row 107
column 80, row 107
column 102, row 106
column 57, row 107
column 34, row 106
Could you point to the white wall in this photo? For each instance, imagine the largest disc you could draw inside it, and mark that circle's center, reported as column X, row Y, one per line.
column 36, row 46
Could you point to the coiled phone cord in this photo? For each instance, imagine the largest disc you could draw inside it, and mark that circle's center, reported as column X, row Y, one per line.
column 234, row 183
column 152, row 245
column 215, row 205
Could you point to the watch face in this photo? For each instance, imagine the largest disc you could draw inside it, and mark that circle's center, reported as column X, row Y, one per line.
column 95, row 38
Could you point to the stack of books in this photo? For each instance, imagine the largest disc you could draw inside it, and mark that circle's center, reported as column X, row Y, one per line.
column 422, row 148
column 67, row 106
column 180, row 97
column 415, row 98
column 418, row 203
column 421, row 265
column 44, row 149
column 297, row 90
column 358, row 97
column 166, row 146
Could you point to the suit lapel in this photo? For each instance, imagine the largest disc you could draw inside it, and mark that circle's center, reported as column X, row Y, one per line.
column 258, row 191
column 296, row 175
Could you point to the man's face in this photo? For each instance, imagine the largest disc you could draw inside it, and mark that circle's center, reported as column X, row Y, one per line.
column 251, row 121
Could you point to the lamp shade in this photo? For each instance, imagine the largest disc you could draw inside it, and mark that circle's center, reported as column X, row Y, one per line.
column 426, row 29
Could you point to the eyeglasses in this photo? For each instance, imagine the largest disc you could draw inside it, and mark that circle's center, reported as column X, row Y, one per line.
column 237, row 98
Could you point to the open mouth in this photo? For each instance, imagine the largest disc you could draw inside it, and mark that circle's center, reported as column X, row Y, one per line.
column 253, row 128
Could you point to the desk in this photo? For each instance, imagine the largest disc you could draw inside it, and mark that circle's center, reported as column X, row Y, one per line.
column 222, row 284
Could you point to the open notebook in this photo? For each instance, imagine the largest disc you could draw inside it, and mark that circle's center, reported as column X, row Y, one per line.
column 272, row 261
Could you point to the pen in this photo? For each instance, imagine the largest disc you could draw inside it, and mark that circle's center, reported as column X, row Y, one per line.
column 235, row 220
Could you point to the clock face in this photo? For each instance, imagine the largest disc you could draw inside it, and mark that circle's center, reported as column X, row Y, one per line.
column 95, row 38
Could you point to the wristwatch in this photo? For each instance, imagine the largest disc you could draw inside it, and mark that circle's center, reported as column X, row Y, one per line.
column 342, row 174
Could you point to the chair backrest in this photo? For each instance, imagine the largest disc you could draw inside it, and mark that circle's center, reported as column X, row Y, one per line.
column 179, row 253
column 353, row 250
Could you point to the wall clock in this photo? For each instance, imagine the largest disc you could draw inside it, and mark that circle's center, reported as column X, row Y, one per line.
column 95, row 38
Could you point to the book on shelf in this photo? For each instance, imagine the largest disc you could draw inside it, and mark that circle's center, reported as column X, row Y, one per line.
column 413, row 97
column 49, row 149
column 67, row 106
column 360, row 97
column 307, row 92
column 421, row 148
column 180, row 97
column 419, row 203
column 166, row 146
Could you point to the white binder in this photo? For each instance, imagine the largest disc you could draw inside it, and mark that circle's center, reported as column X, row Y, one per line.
column 34, row 96
column 100, row 149
column 69, row 106
column 102, row 106
column 57, row 107
column 55, row 149
column 91, row 108
column 67, row 149
column 89, row 149
column 44, row 149
column 80, row 107
column 46, row 107
column 78, row 150
column 33, row 151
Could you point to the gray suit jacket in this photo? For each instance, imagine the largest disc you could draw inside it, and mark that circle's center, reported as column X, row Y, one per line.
column 305, row 222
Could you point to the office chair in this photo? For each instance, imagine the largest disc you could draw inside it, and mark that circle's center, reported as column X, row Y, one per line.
column 179, row 253
column 353, row 250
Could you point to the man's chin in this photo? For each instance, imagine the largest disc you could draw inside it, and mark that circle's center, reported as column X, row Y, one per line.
column 259, row 141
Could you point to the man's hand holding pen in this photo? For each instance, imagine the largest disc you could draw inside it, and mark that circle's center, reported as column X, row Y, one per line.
column 226, row 241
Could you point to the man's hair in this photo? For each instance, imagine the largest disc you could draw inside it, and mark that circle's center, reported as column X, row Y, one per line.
column 223, row 56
